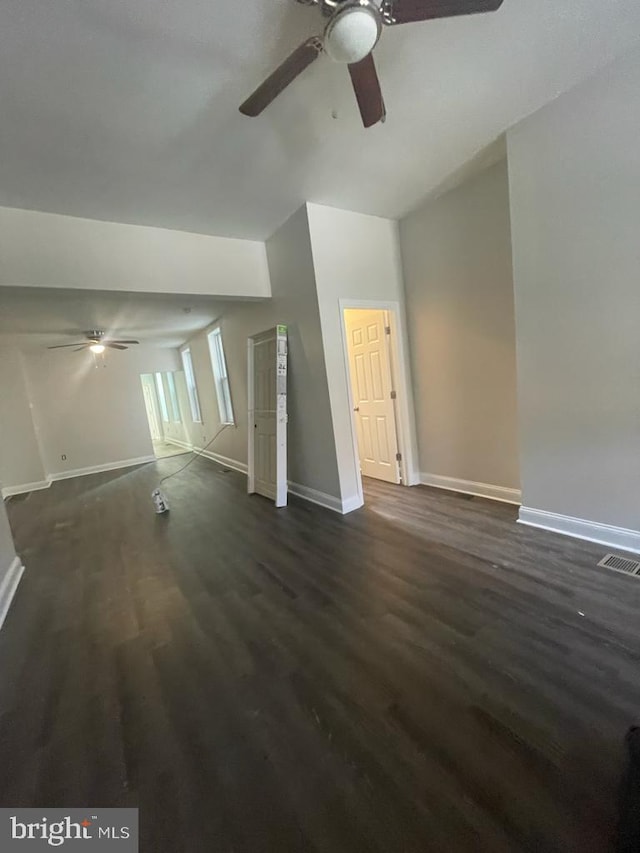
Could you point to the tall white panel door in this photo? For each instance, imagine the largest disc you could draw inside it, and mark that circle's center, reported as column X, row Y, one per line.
column 267, row 457
column 370, row 369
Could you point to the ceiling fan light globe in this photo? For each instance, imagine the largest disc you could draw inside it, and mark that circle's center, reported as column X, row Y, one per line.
column 352, row 33
column 97, row 348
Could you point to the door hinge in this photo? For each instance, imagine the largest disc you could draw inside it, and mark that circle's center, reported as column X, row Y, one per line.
column 393, row 395
column 398, row 457
column 387, row 330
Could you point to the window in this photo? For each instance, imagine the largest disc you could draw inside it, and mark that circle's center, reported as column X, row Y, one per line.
column 219, row 365
column 161, row 398
column 192, row 391
column 173, row 398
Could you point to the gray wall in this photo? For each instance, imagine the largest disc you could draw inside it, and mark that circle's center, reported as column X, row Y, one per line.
column 356, row 257
column 7, row 550
column 311, row 446
column 92, row 415
column 456, row 255
column 575, row 199
column 20, row 452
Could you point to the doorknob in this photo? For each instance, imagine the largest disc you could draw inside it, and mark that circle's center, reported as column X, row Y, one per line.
column 356, row 408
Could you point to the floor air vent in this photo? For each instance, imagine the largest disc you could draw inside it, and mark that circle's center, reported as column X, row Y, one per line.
column 621, row 564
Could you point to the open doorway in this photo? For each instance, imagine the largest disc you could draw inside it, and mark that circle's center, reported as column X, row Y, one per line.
column 157, row 409
column 373, row 393
column 380, row 398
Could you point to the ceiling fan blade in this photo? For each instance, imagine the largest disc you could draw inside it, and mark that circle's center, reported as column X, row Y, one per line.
column 62, row 346
column 287, row 72
column 80, row 348
column 112, row 345
column 110, row 341
column 407, row 11
column 367, row 88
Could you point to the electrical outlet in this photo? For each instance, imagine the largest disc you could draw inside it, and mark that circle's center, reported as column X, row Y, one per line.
column 64, row 457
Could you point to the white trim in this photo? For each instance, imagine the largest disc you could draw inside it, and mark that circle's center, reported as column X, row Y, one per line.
column 97, row 469
column 8, row 587
column 222, row 460
column 603, row 534
column 352, row 503
column 325, row 500
column 8, row 491
column 469, row 487
column 304, row 492
column 209, row 454
column 179, row 443
column 401, row 372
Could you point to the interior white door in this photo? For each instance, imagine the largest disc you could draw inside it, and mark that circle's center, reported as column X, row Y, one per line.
column 371, row 386
column 268, row 415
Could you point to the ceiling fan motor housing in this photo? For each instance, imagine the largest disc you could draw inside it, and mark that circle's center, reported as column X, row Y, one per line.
column 353, row 29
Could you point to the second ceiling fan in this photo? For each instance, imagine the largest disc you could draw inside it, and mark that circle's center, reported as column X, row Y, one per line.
column 352, row 31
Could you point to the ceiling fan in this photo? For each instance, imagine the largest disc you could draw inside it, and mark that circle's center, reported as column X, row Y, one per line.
column 350, row 34
column 96, row 342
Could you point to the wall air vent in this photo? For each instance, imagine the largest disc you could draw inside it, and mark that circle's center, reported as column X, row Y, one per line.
column 621, row 564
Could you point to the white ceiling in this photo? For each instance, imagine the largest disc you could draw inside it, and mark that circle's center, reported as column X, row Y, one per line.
column 127, row 109
column 31, row 316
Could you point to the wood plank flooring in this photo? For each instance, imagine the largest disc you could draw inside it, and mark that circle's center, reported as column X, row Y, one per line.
column 422, row 675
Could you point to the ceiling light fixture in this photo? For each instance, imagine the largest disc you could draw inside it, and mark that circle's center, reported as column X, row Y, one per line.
column 353, row 32
column 97, row 348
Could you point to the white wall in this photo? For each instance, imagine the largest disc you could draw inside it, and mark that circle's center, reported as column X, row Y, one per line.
column 49, row 250
column 92, row 415
column 456, row 254
column 312, row 455
column 20, row 456
column 356, row 257
column 574, row 172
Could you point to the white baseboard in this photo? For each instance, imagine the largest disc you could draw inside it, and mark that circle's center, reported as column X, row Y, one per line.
column 469, row 487
column 179, row 443
column 603, row 534
column 352, row 503
column 8, row 587
column 323, row 499
column 8, row 491
column 210, row 454
column 304, row 492
column 98, row 469
column 224, row 460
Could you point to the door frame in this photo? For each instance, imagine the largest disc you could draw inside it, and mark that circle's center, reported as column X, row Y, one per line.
column 401, row 378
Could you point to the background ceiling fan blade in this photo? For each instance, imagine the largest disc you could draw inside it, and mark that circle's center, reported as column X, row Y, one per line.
column 81, row 347
column 111, row 341
column 406, row 11
column 62, row 346
column 367, row 88
column 113, row 346
column 283, row 75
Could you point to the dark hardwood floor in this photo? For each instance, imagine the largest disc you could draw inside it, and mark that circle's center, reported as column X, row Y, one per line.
column 422, row 675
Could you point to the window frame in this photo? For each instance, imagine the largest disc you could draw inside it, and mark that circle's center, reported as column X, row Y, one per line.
column 221, row 376
column 192, row 388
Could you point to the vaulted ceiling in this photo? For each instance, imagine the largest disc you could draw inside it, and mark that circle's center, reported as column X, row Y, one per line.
column 126, row 110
